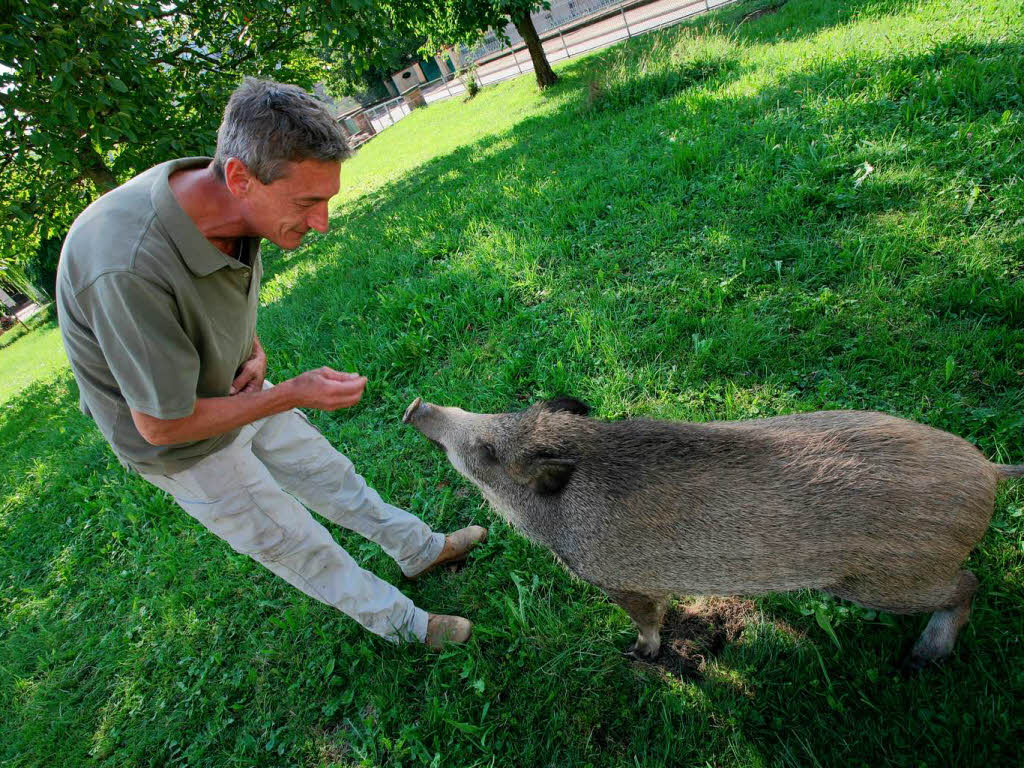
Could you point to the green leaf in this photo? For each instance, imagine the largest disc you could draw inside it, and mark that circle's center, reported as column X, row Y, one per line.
column 825, row 623
column 464, row 727
column 116, row 84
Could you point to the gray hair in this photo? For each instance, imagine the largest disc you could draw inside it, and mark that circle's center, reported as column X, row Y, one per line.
column 267, row 125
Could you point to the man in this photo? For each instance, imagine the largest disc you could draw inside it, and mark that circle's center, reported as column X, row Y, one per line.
column 157, row 291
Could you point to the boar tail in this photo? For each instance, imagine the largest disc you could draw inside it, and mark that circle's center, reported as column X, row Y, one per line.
column 1010, row 470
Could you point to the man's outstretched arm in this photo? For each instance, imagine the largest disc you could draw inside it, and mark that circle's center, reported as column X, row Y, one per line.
column 324, row 389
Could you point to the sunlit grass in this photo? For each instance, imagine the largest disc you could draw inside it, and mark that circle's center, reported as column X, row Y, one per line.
column 29, row 355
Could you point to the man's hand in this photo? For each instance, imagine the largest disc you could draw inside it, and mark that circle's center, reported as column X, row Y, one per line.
column 325, row 389
column 253, row 371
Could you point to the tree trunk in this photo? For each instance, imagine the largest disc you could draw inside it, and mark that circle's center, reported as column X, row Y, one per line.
column 545, row 75
column 455, row 54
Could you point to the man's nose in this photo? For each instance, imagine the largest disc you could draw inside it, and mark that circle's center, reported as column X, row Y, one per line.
column 318, row 217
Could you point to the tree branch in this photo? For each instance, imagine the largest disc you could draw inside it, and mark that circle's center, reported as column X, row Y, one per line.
column 174, row 56
column 224, row 65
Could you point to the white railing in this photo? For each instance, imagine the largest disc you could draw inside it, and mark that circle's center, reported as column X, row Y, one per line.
column 387, row 114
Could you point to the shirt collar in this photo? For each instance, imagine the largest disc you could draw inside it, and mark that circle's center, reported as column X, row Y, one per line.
column 198, row 253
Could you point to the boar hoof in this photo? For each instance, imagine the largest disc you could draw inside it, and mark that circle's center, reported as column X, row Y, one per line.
column 642, row 651
column 912, row 664
column 916, row 662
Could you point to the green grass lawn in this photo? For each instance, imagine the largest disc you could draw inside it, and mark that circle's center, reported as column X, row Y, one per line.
column 26, row 356
column 818, row 208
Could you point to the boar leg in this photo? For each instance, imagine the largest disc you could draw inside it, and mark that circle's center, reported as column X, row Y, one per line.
column 936, row 642
column 647, row 612
column 949, row 599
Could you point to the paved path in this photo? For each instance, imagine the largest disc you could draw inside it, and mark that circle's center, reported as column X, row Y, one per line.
column 27, row 311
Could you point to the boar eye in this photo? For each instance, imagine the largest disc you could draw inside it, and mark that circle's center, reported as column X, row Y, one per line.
column 488, row 453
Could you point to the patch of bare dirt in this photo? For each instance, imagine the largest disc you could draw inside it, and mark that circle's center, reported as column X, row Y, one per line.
column 694, row 634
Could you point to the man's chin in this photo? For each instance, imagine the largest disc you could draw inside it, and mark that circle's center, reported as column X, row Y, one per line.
column 288, row 241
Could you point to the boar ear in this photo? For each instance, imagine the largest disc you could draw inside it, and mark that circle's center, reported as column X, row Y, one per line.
column 570, row 404
column 548, row 475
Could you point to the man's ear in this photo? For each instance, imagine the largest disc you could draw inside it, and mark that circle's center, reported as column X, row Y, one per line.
column 237, row 177
column 569, row 404
column 548, row 475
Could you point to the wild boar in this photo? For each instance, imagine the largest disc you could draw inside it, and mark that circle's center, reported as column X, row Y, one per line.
column 868, row 507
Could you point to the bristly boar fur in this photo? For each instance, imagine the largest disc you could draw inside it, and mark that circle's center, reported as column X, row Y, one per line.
column 872, row 508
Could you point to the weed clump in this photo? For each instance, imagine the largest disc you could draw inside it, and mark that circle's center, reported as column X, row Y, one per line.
column 623, row 80
column 469, row 80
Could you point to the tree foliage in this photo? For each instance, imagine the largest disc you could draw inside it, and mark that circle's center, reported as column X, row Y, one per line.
column 351, row 73
column 94, row 91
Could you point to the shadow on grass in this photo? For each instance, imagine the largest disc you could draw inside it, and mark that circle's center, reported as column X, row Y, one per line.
column 122, row 610
column 116, row 603
column 839, row 239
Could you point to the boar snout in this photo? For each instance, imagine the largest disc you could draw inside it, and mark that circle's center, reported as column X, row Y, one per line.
column 422, row 416
column 411, row 410
column 441, row 425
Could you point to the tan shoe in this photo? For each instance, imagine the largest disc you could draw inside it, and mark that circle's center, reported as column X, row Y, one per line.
column 456, row 546
column 443, row 629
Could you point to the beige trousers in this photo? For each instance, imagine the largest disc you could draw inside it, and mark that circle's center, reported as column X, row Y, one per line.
column 249, row 494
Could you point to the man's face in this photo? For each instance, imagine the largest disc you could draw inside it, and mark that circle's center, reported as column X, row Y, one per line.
column 286, row 208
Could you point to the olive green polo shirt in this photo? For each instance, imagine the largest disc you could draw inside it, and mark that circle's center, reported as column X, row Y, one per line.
column 152, row 315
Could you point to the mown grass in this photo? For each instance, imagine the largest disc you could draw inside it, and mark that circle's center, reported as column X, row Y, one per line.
column 817, row 208
column 30, row 352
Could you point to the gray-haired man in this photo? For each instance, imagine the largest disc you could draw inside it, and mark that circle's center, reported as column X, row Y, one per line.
column 157, row 291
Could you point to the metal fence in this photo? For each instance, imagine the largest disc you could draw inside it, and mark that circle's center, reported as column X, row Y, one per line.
column 387, row 114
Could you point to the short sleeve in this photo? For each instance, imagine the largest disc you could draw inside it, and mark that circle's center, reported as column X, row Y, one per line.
column 137, row 327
